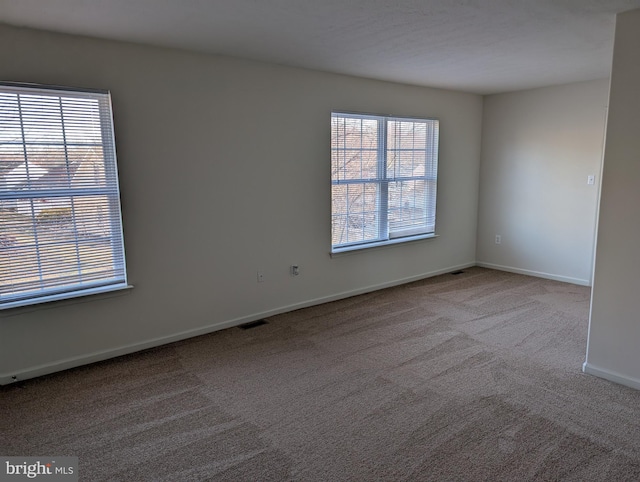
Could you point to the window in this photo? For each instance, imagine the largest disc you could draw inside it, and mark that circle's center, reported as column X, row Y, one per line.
column 60, row 226
column 383, row 180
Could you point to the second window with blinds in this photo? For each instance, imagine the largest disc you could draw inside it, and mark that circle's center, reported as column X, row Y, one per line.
column 383, row 180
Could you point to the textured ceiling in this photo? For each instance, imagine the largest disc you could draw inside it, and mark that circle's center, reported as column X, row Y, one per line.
column 482, row 46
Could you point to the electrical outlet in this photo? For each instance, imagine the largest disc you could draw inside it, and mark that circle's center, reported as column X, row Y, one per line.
column 498, row 239
column 260, row 276
column 295, row 270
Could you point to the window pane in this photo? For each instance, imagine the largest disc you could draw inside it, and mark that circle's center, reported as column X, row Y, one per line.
column 354, row 148
column 355, row 213
column 87, row 165
column 82, row 121
column 10, row 130
column 405, row 134
column 406, row 148
column 405, row 163
column 41, row 118
column 354, row 133
column 11, row 156
column 412, row 207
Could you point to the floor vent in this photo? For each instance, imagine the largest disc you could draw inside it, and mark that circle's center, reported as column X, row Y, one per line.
column 457, row 272
column 252, row 324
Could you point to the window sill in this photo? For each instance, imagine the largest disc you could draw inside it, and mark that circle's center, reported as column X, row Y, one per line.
column 380, row 244
column 89, row 294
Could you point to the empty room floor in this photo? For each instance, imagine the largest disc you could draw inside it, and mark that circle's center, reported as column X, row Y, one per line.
column 475, row 376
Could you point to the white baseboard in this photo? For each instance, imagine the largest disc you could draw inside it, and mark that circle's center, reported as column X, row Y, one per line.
column 611, row 376
column 67, row 363
column 537, row 274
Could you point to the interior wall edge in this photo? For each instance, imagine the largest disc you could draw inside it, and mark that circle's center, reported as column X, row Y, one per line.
column 611, row 376
column 537, row 274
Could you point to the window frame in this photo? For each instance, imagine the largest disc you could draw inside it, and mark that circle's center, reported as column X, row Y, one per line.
column 53, row 289
column 385, row 235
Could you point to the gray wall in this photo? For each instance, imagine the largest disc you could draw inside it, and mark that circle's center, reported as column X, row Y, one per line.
column 614, row 332
column 538, row 147
column 224, row 169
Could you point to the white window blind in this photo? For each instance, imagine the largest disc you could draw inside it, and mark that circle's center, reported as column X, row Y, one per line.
column 60, row 222
column 384, row 179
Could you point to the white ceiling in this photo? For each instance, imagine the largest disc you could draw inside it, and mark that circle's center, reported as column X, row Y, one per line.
column 481, row 46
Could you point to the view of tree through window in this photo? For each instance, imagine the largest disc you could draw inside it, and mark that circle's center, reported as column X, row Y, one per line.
column 60, row 226
column 384, row 176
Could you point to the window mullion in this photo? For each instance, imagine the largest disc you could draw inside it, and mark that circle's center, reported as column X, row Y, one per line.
column 383, row 194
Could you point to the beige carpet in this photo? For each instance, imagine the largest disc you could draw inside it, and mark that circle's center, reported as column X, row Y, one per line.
column 463, row 377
